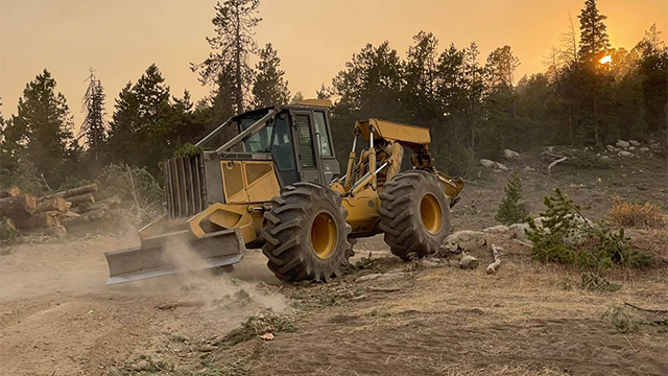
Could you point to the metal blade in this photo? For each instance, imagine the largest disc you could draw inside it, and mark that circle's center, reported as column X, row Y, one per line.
column 173, row 253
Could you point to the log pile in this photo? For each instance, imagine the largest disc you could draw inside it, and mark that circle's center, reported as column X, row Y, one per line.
column 74, row 211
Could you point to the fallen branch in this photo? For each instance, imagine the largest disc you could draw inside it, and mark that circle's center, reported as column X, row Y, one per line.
column 182, row 303
column 81, row 199
column 493, row 267
column 660, row 311
column 383, row 289
column 549, row 168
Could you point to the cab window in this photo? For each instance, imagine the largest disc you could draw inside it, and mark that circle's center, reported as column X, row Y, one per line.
column 322, row 135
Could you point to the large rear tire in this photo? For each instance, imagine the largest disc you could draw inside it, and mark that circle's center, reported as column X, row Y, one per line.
column 306, row 234
column 414, row 214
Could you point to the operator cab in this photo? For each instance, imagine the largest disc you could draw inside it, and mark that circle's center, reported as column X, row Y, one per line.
column 299, row 140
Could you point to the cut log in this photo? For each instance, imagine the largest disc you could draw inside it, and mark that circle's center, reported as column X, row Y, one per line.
column 58, row 204
column 468, row 262
column 8, row 229
column 18, row 207
column 72, row 192
column 92, row 216
column 58, row 231
column 81, row 199
column 10, row 192
column 39, row 220
column 87, row 207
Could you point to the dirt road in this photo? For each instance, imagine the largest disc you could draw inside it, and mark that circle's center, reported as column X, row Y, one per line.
column 59, row 318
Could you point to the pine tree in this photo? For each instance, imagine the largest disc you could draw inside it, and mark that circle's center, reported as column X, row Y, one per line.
column 143, row 123
column 512, row 210
column 270, row 88
column 95, row 124
column 232, row 44
column 298, row 97
column 44, row 125
column 594, row 41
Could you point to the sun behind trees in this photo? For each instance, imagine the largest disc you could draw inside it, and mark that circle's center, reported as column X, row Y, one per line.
column 474, row 105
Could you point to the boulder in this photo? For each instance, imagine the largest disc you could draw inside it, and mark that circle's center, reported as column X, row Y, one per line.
column 624, row 153
column 463, row 241
column 632, row 148
column 529, row 168
column 495, row 230
column 634, row 143
column 499, row 166
column 510, row 154
column 517, row 231
column 487, row 163
column 491, row 164
column 622, row 144
column 611, row 148
column 644, row 149
column 605, row 158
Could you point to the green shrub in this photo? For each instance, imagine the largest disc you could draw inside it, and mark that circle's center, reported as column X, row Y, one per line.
column 565, row 236
column 188, row 150
column 512, row 210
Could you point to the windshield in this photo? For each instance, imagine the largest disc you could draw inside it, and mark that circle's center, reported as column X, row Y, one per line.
column 260, row 141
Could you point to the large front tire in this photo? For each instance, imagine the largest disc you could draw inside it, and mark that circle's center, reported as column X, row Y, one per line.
column 306, row 234
column 414, row 214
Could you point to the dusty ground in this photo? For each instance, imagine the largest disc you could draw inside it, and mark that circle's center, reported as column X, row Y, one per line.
column 58, row 318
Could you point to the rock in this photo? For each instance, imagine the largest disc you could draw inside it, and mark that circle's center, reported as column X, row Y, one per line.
column 267, row 337
column 500, row 229
column 605, row 158
column 517, row 231
column 632, row 148
column 491, row 164
column 634, row 143
column 207, row 348
column 611, row 148
column 529, row 168
column 487, row 163
column 463, row 241
column 468, row 262
column 624, row 153
column 655, row 146
column 429, row 263
column 499, row 166
column 510, row 154
column 644, row 149
column 622, row 144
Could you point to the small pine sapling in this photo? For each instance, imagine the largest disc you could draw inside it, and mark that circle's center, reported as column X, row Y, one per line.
column 512, row 209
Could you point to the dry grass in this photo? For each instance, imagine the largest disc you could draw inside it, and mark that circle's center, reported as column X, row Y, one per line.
column 645, row 216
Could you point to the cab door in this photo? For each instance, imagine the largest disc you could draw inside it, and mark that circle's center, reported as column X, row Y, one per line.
column 309, row 159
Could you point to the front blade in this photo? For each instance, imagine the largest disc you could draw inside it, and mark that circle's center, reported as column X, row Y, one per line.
column 173, row 253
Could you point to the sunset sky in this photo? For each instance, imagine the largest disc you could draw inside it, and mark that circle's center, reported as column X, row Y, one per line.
column 314, row 38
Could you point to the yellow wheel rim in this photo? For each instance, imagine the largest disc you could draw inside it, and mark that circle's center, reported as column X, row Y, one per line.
column 431, row 214
column 324, row 235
